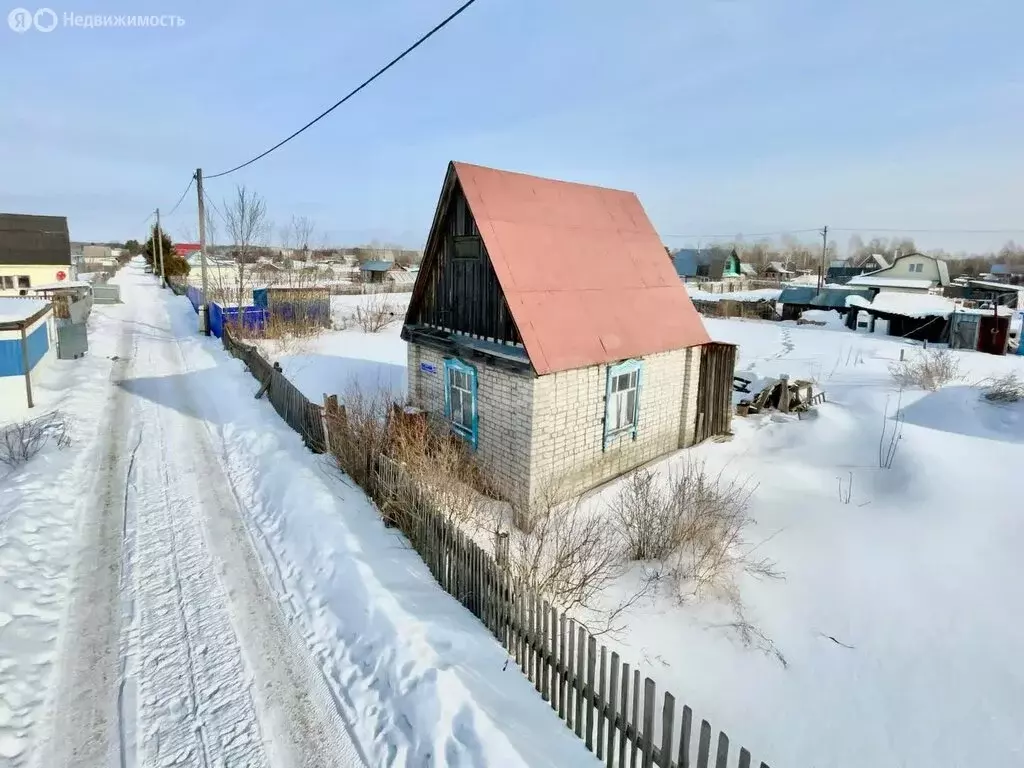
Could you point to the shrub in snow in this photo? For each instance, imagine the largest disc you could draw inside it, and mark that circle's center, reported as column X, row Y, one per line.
column 692, row 524
column 1005, row 389
column 21, row 441
column 570, row 558
column 375, row 313
column 929, row 369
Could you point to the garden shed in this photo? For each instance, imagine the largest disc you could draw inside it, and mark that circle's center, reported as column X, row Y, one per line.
column 549, row 331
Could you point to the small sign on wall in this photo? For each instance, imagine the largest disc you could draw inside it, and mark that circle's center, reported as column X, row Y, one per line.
column 428, row 367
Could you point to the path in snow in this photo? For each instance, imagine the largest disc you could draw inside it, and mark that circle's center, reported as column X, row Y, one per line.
column 175, row 650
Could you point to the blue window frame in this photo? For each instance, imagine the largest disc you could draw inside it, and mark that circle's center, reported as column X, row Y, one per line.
column 460, row 397
column 622, row 401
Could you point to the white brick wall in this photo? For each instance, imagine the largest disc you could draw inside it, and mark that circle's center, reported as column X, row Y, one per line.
column 504, row 416
column 569, row 409
column 540, row 434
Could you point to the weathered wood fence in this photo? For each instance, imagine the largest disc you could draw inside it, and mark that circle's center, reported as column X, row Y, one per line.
column 298, row 412
column 604, row 701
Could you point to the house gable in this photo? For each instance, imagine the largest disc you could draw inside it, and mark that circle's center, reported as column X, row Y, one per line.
column 457, row 299
column 915, row 266
column 581, row 274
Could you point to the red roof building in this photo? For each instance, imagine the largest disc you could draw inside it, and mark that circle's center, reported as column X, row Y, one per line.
column 184, row 250
column 551, row 331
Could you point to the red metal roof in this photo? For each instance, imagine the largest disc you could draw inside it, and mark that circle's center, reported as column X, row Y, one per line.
column 582, row 268
column 184, row 249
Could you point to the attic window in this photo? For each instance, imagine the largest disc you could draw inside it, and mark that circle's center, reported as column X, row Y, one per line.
column 468, row 247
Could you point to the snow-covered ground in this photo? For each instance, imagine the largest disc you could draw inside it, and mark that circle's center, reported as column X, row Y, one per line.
column 187, row 585
column 897, row 614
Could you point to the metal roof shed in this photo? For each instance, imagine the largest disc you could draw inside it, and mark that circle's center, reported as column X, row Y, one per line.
column 24, row 338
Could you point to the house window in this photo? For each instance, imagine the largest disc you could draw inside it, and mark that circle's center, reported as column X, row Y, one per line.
column 24, row 282
column 6, row 281
column 460, row 398
column 468, row 247
column 622, row 401
column 917, row 267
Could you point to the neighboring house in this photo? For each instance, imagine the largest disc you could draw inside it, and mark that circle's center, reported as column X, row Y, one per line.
column 376, row 271
column 796, row 300
column 97, row 253
column 34, row 250
column 1004, row 273
column 872, row 261
column 185, row 250
column 913, row 273
column 710, row 263
column 778, row 270
column 549, row 331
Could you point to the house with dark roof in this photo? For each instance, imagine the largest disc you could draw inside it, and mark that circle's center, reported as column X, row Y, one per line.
column 547, row 329
column 710, row 263
column 34, row 250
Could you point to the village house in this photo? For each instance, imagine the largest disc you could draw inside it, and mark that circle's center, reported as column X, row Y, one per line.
column 710, row 264
column 34, row 250
column 912, row 273
column 547, row 328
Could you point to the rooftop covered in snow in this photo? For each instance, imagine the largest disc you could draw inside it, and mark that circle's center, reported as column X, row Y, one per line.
column 15, row 311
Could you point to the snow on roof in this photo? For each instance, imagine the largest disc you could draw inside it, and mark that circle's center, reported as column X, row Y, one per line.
column 890, row 282
column 14, row 309
column 762, row 294
column 907, row 304
column 62, row 284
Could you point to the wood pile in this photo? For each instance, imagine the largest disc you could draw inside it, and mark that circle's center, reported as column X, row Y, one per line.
column 777, row 394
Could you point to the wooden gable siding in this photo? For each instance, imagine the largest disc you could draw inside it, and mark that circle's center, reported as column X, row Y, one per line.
column 459, row 294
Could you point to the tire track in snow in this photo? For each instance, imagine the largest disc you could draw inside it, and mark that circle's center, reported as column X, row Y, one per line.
column 84, row 722
column 196, row 706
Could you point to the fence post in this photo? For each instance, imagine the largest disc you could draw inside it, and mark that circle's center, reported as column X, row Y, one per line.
column 501, row 548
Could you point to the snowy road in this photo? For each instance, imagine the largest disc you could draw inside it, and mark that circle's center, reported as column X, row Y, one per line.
column 187, row 585
column 176, row 651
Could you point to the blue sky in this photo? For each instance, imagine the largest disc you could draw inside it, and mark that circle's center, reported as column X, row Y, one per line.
column 725, row 116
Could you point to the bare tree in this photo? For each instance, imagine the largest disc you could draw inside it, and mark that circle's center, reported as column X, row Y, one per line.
column 245, row 218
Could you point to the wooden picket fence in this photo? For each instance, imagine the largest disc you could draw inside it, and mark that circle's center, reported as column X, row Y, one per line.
column 298, row 412
column 600, row 698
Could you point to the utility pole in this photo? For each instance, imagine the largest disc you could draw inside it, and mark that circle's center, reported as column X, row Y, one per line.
column 159, row 237
column 202, row 247
column 824, row 251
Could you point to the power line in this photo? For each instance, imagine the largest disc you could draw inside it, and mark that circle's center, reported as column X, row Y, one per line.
column 190, row 182
column 451, row 17
column 747, row 234
column 931, row 231
column 213, row 205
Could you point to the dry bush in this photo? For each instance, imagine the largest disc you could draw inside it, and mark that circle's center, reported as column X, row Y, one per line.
column 21, row 441
column 1005, row 389
column 358, row 433
column 441, row 466
column 375, row 313
column 570, row 559
column 929, row 369
column 692, row 525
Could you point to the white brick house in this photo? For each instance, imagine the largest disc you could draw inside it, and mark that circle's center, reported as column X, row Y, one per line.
column 549, row 330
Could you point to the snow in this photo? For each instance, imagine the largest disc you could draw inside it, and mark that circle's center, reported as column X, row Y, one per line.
column 915, row 578
column 894, row 614
column 890, row 282
column 907, row 304
column 188, row 585
column 14, row 310
column 63, row 284
column 760, row 294
column 830, row 318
